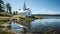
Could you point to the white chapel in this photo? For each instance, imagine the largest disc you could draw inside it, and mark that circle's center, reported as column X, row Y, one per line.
column 25, row 11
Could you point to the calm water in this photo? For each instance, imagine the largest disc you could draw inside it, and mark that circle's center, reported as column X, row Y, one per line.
column 39, row 24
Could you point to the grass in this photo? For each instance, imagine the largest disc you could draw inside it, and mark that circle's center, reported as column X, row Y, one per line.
column 4, row 19
column 5, row 32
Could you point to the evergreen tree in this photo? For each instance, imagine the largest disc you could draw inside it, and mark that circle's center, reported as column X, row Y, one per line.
column 1, row 5
column 8, row 7
column 10, row 10
column 16, row 12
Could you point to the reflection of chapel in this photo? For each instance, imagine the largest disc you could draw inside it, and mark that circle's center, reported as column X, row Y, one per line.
column 25, row 11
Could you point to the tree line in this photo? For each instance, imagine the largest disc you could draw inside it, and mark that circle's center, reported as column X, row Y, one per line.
column 6, row 8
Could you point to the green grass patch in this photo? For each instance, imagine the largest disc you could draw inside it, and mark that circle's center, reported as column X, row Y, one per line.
column 5, row 32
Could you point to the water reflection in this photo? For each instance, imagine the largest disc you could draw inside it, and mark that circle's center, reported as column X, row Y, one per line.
column 16, row 27
column 42, row 24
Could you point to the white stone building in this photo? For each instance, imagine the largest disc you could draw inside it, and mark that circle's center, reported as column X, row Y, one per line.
column 25, row 11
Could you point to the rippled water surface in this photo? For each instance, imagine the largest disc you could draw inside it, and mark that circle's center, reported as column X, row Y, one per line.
column 40, row 24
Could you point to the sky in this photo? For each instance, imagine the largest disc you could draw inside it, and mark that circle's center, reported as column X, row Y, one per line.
column 36, row 6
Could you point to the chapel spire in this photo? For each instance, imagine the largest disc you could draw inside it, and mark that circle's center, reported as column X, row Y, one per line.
column 24, row 6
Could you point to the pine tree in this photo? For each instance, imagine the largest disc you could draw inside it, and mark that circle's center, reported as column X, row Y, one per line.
column 16, row 12
column 8, row 8
column 1, row 5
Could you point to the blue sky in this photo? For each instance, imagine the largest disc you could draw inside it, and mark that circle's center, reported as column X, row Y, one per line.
column 37, row 6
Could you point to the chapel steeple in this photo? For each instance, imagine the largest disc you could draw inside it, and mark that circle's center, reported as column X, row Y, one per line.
column 24, row 6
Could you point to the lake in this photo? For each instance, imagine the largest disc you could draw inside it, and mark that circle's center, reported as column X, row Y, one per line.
column 41, row 24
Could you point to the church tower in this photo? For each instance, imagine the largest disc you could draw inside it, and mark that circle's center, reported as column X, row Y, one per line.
column 24, row 6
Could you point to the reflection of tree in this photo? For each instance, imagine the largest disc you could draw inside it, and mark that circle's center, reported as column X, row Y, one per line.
column 24, row 30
